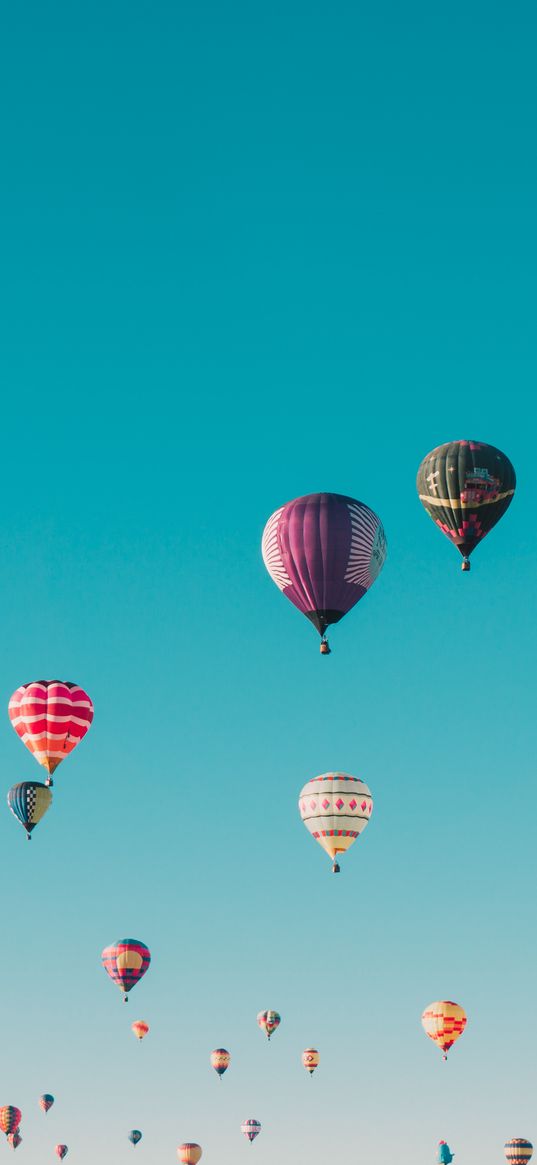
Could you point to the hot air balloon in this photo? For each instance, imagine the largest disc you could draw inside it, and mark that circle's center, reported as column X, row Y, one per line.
column 29, row 802
column 268, row 1021
column 518, row 1151
column 189, row 1153
column 466, row 487
column 251, row 1129
column 14, row 1139
column 324, row 551
column 444, row 1154
column 61, row 1151
column 444, row 1022
column 310, row 1060
column 335, row 808
column 46, row 1101
column 10, row 1118
column 140, row 1028
column 126, row 962
column 220, row 1061
column 135, row 1136
column 51, row 717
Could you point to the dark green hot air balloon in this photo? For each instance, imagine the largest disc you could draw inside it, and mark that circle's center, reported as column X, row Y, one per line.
column 466, row 487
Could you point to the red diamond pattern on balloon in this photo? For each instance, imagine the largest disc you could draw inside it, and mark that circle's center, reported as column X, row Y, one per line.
column 325, row 803
column 339, row 803
column 353, row 804
column 363, row 806
column 313, row 804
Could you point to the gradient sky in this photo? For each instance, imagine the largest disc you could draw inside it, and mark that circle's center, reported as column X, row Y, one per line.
column 250, row 252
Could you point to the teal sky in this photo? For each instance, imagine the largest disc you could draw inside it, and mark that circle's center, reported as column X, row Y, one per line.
column 249, row 253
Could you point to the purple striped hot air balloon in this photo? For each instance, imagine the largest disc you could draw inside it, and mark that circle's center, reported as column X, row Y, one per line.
column 324, row 551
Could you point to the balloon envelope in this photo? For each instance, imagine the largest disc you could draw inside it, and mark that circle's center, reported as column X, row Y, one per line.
column 61, row 1151
column 135, row 1136
column 51, row 717
column 140, row 1028
column 10, row 1118
column 189, row 1153
column 268, row 1021
column 310, row 1059
column 444, row 1021
column 324, row 551
column 29, row 802
column 466, row 487
column 126, row 962
column 220, row 1060
column 518, row 1151
column 251, row 1129
column 46, row 1101
column 335, row 808
column 14, row 1139
column 444, row 1155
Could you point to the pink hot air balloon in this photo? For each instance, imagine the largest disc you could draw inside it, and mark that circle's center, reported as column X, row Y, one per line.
column 61, row 1151
column 51, row 717
column 46, row 1101
column 14, row 1139
column 324, row 551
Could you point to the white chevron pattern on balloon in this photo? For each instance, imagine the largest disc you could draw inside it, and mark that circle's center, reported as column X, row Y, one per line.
column 272, row 556
column 368, row 547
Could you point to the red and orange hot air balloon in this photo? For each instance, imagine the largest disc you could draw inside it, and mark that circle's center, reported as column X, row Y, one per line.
column 189, row 1153
column 140, row 1028
column 10, row 1118
column 310, row 1059
column 444, row 1021
column 51, row 717
column 126, row 962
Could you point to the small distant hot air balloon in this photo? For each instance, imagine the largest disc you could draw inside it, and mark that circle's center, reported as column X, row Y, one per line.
column 135, row 1136
column 29, row 802
column 46, row 1101
column 61, row 1151
column 189, row 1153
column 140, row 1028
column 14, row 1139
column 251, row 1129
column 444, row 1154
column 518, row 1151
column 335, row 808
column 220, row 1061
column 310, row 1059
column 444, row 1021
column 324, row 551
column 268, row 1021
column 466, row 487
column 126, row 962
column 51, row 717
column 10, row 1118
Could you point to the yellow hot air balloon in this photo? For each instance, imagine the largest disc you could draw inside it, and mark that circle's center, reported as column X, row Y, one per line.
column 140, row 1028
column 189, row 1153
column 310, row 1059
column 444, row 1021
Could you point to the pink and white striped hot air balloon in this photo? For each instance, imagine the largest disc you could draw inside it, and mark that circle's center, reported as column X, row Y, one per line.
column 51, row 717
column 251, row 1128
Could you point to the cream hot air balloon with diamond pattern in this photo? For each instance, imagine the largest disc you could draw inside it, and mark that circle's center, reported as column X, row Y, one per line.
column 335, row 808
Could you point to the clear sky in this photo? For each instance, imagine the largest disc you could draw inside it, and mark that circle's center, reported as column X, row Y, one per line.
column 248, row 252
